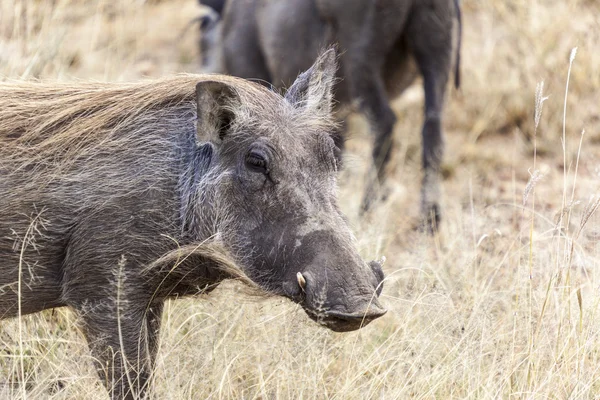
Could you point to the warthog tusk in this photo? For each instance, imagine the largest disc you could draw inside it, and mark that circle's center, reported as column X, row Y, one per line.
column 382, row 261
column 301, row 281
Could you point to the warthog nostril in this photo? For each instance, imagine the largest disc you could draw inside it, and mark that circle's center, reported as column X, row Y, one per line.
column 301, row 281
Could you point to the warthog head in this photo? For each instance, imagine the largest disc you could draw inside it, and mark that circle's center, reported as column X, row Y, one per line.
column 269, row 194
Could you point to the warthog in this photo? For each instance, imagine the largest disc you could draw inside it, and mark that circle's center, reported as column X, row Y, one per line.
column 118, row 196
column 384, row 45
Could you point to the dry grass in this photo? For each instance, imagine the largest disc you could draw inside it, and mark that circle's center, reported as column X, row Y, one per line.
column 503, row 303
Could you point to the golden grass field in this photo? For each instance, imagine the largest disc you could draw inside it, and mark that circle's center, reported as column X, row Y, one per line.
column 503, row 303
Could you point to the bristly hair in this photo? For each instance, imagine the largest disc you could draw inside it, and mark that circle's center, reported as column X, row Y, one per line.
column 77, row 146
column 65, row 117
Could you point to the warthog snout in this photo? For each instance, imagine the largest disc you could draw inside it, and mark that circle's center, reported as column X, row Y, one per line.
column 337, row 308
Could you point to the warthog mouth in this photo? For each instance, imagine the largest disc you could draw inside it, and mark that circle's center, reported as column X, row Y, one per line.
column 345, row 322
column 342, row 320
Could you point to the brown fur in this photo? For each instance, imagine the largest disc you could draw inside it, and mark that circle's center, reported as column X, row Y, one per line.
column 118, row 196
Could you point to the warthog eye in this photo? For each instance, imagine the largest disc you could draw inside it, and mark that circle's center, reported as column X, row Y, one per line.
column 257, row 161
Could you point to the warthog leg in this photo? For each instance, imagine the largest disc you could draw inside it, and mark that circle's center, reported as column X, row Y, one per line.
column 430, row 39
column 153, row 318
column 123, row 339
column 370, row 91
column 361, row 33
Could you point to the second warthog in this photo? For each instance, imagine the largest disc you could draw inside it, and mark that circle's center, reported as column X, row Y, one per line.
column 118, row 196
column 384, row 45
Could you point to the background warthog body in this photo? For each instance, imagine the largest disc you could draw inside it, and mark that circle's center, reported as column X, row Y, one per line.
column 384, row 46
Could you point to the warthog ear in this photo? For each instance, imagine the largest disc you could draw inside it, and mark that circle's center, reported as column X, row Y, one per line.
column 215, row 104
column 313, row 89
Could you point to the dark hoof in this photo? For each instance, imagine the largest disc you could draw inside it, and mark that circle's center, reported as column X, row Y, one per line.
column 430, row 220
column 57, row 386
column 368, row 201
column 372, row 198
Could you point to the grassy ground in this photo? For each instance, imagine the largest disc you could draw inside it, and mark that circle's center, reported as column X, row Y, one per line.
column 504, row 302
